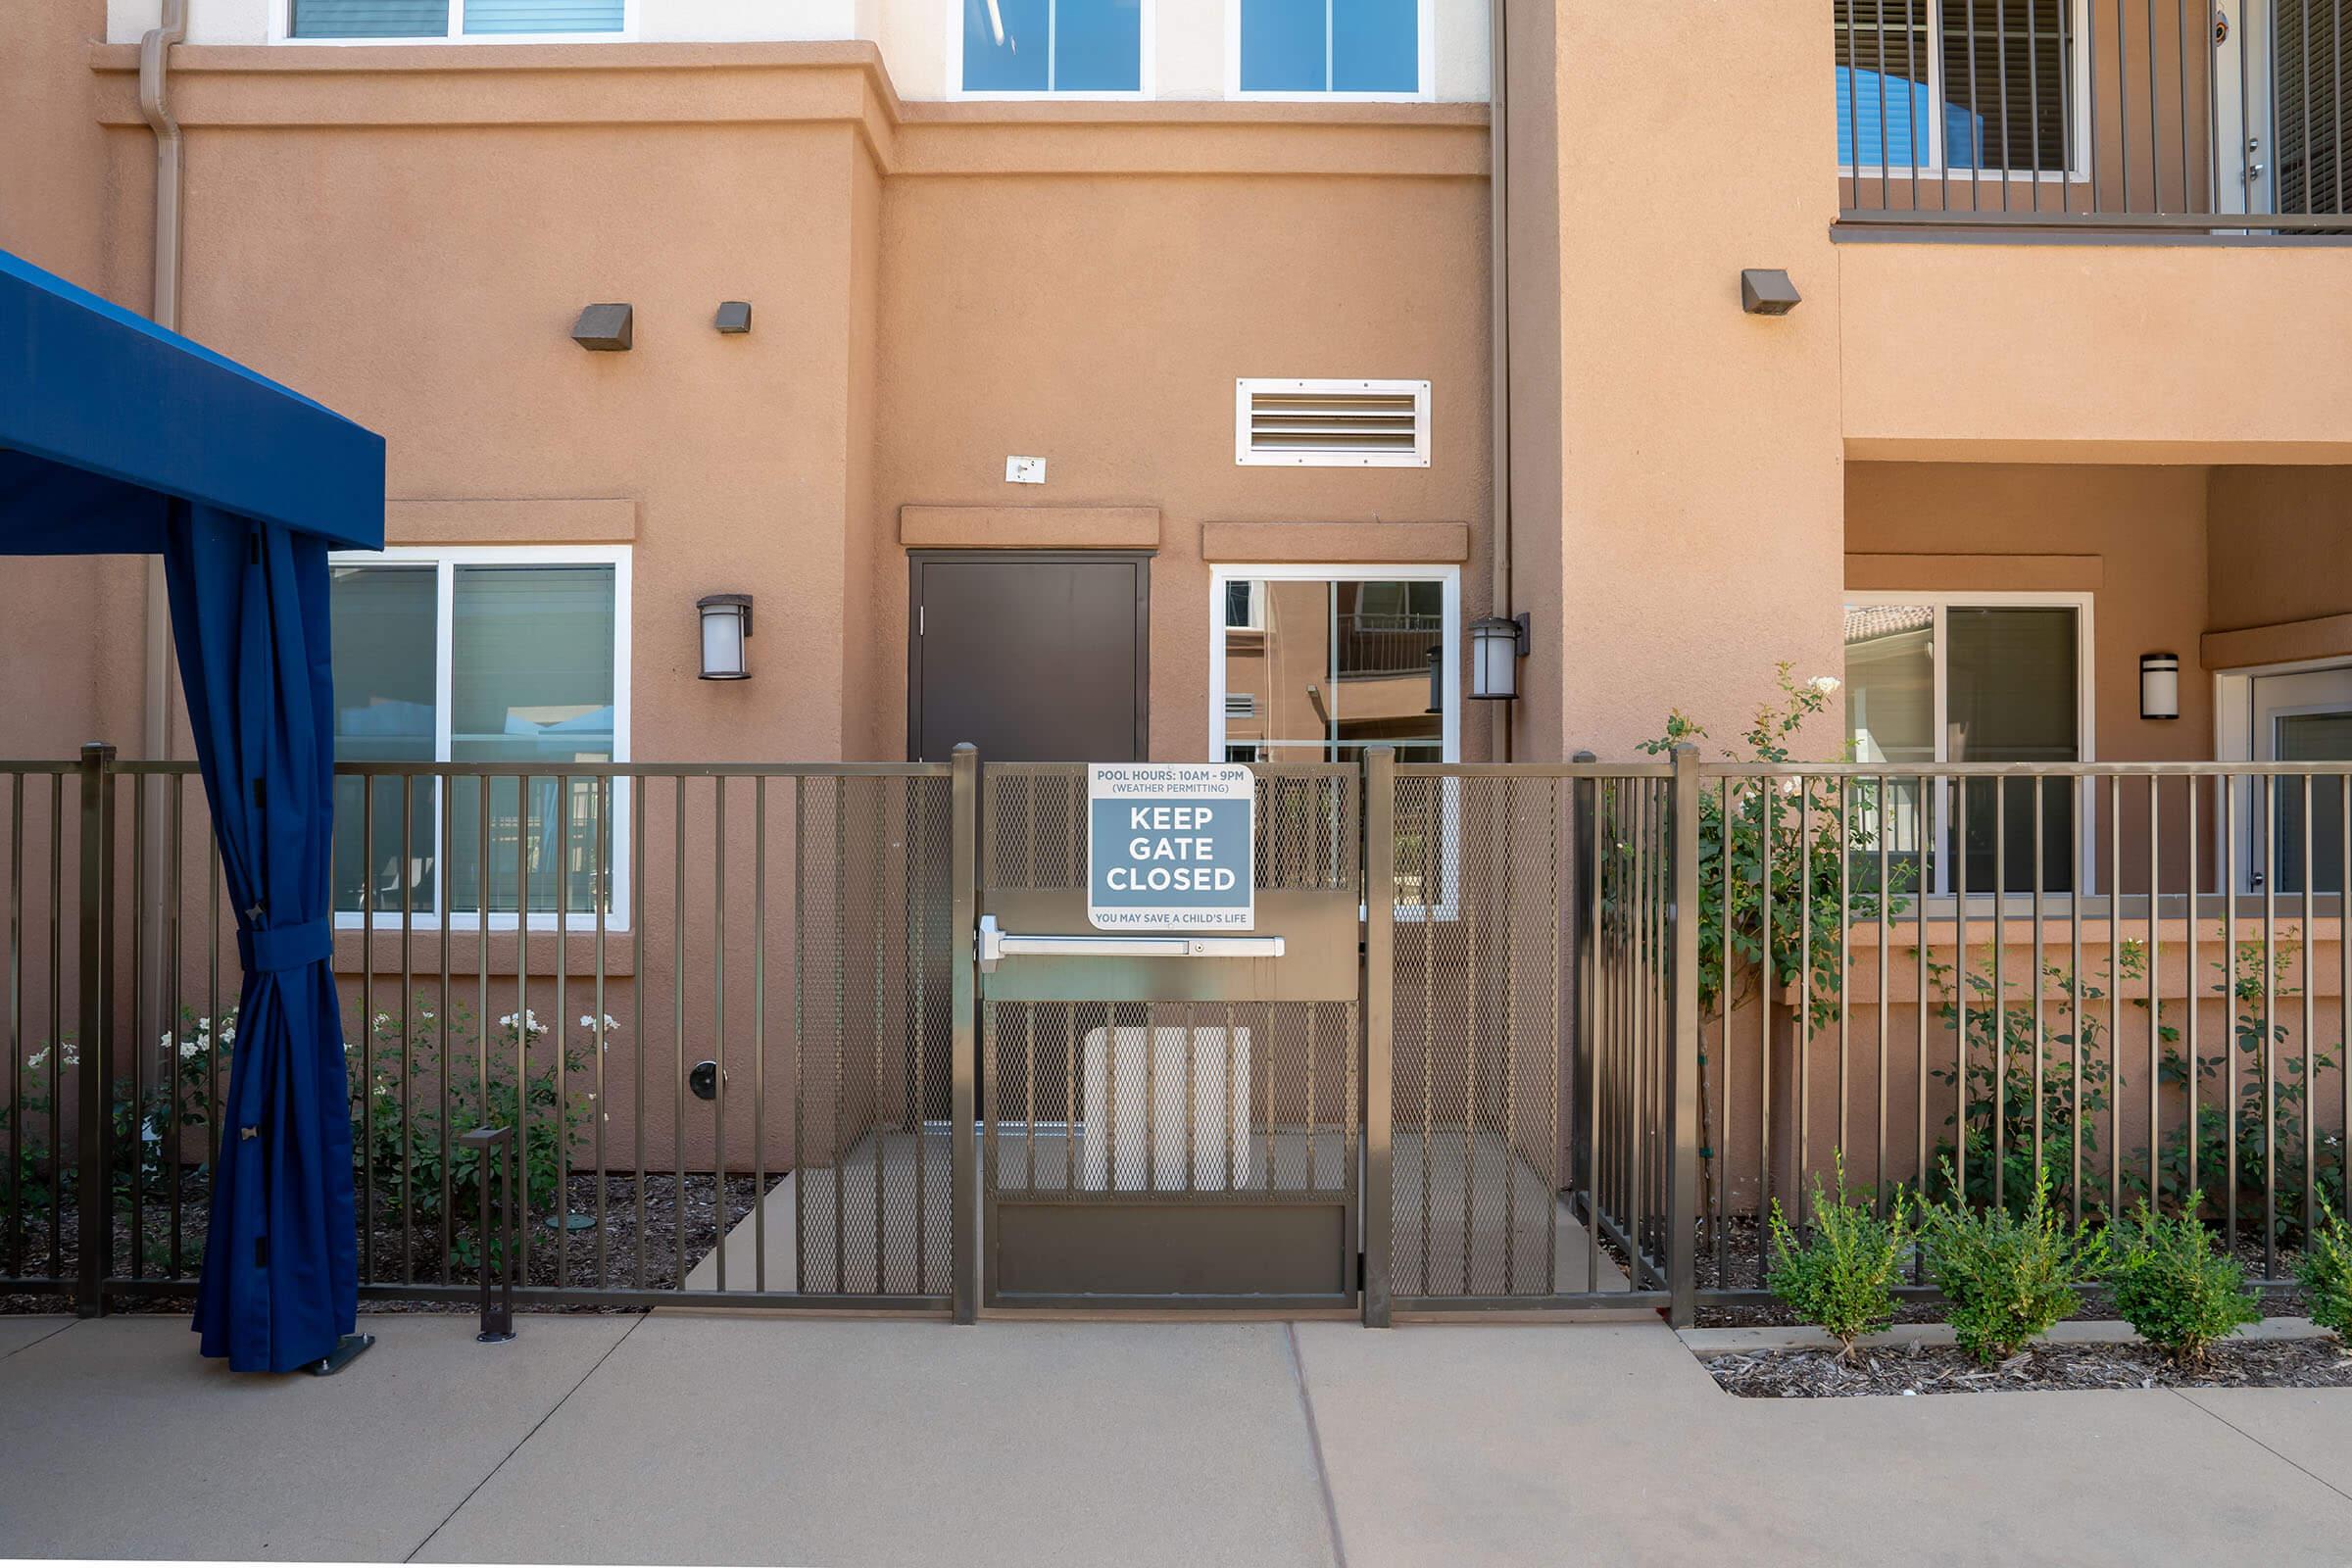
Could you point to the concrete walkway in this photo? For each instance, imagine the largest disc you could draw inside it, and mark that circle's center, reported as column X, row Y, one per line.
column 770, row 1440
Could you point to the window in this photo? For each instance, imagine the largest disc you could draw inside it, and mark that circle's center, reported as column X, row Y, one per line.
column 1964, row 85
column 480, row 656
column 1990, row 678
column 1369, row 48
column 359, row 20
column 1314, row 664
column 1052, row 46
column 1331, row 423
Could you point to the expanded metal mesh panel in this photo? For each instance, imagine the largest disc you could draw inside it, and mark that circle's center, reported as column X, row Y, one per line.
column 871, row 970
column 1218, row 1101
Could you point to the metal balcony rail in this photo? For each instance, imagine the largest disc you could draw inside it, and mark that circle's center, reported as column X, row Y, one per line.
column 1375, row 643
column 2147, row 116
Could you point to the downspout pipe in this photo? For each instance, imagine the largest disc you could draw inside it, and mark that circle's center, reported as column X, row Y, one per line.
column 155, row 57
column 1498, row 273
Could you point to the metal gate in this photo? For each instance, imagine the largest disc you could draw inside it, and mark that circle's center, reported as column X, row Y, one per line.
column 1170, row 1121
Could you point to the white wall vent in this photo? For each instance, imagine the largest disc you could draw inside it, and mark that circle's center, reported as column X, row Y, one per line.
column 1241, row 704
column 1330, row 424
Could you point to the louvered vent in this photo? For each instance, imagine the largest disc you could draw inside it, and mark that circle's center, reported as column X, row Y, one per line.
column 1331, row 424
column 1241, row 704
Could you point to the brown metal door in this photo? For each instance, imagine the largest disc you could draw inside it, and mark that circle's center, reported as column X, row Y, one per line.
column 1031, row 657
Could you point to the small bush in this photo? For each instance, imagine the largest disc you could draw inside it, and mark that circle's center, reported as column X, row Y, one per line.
column 2008, row 1277
column 2174, row 1288
column 1842, row 1276
column 2324, row 1271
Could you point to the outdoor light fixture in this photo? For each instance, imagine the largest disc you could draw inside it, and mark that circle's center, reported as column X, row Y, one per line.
column 1497, row 645
column 2160, row 685
column 605, row 328
column 1767, row 291
column 734, row 316
column 1437, row 680
column 726, row 629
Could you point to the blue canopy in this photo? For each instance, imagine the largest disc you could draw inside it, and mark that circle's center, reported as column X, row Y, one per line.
column 119, row 437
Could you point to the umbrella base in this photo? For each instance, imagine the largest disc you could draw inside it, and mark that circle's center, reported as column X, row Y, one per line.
column 343, row 1354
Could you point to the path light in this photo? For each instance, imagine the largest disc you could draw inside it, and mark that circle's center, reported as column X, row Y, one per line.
column 726, row 630
column 1497, row 645
column 2160, row 685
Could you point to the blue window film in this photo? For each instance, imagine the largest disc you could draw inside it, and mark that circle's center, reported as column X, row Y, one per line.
column 1005, row 45
column 1860, row 95
column 371, row 18
column 544, row 16
column 1376, row 45
column 1282, row 46
column 1099, row 45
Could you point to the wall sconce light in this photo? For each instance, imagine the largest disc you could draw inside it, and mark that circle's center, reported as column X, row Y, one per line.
column 605, row 328
column 2160, row 685
column 734, row 316
column 726, row 632
column 1437, row 680
column 1497, row 645
column 1767, row 291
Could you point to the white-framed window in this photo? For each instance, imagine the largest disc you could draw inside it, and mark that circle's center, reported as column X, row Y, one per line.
column 1314, row 663
column 1971, row 87
column 453, row 21
column 1330, row 423
column 1983, row 678
column 1050, row 48
column 1360, row 50
column 486, row 654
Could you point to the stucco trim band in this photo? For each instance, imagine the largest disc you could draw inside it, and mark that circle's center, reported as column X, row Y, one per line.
column 514, row 522
column 1029, row 527
column 1966, row 573
column 2327, row 637
column 1337, row 542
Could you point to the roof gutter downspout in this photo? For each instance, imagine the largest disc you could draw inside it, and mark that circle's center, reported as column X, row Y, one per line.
column 155, row 50
column 154, row 60
column 1499, row 274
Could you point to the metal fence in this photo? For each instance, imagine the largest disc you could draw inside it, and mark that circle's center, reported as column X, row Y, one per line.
column 713, row 1004
column 1962, row 980
column 2198, row 116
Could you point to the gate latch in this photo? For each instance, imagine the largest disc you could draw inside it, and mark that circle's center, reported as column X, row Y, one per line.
column 996, row 943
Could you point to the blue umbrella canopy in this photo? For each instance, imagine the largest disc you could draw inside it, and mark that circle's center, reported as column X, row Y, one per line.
column 119, row 437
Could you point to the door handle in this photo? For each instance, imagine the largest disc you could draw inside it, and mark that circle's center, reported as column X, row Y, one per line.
column 996, row 943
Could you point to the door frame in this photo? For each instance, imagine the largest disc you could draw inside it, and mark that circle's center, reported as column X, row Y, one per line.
column 2242, row 91
column 917, row 559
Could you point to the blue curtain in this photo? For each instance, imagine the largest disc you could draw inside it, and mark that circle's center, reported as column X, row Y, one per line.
column 248, row 611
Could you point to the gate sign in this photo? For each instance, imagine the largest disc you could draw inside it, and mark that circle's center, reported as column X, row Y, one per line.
column 1167, row 846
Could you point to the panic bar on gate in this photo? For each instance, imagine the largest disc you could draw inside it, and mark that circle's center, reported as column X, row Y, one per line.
column 996, row 943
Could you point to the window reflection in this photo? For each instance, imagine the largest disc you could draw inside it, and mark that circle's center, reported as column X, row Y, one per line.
column 1317, row 669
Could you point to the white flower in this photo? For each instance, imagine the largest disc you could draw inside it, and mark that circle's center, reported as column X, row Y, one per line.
column 37, row 1057
column 1826, row 684
column 190, row 1050
column 588, row 1021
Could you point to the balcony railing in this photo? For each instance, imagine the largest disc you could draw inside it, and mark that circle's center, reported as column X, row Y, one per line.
column 2157, row 115
column 1376, row 644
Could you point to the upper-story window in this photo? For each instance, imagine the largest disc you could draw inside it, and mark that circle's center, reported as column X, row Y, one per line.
column 1061, row 46
column 1374, row 48
column 454, row 18
column 1986, row 85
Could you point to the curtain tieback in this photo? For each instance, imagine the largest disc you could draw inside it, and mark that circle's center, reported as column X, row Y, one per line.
column 287, row 946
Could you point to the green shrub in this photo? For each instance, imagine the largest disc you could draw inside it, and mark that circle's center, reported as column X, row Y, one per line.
column 1841, row 1276
column 2324, row 1271
column 2171, row 1286
column 2008, row 1277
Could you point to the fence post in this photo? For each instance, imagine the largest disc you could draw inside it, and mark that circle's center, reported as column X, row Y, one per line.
column 963, row 926
column 1682, row 1064
column 96, row 1241
column 1379, row 1057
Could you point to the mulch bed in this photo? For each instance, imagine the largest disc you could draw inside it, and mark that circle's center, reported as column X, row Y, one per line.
column 1944, row 1369
column 677, row 1218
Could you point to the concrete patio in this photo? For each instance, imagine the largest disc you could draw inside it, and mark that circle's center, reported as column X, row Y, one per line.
column 760, row 1438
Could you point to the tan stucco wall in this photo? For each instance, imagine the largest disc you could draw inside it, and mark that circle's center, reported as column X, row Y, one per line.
column 2282, row 545
column 1700, row 449
column 2131, row 537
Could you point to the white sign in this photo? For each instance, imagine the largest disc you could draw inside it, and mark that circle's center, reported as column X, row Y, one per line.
column 1025, row 470
column 1169, row 847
